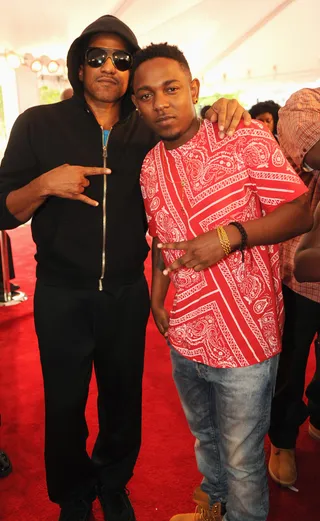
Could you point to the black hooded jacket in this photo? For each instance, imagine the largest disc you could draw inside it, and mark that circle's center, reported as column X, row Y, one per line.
column 68, row 233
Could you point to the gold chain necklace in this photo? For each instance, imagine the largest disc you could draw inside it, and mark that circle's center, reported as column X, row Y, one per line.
column 181, row 181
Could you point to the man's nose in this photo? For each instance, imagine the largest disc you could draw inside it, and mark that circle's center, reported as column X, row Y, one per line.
column 160, row 101
column 108, row 66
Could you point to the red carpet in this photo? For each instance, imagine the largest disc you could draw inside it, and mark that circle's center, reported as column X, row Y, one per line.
column 166, row 472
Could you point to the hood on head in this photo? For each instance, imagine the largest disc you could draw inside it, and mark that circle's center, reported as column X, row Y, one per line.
column 104, row 24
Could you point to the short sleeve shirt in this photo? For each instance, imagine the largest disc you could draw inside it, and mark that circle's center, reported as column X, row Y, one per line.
column 231, row 314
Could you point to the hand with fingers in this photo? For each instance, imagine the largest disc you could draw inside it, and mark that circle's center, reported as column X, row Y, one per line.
column 161, row 318
column 200, row 253
column 69, row 182
column 228, row 113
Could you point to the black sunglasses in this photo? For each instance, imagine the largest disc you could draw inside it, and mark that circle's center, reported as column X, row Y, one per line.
column 96, row 56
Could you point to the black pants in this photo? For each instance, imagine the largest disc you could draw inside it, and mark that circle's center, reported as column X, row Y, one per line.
column 289, row 411
column 78, row 329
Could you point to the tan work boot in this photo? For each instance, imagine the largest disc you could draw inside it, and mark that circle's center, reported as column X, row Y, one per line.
column 201, row 498
column 201, row 514
column 314, row 433
column 282, row 466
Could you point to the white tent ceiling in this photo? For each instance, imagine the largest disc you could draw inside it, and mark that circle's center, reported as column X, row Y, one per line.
column 230, row 39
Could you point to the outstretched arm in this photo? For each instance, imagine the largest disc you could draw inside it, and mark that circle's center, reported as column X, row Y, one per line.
column 24, row 187
column 286, row 221
column 66, row 181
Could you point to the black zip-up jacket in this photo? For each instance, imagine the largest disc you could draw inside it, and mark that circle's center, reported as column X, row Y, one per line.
column 68, row 233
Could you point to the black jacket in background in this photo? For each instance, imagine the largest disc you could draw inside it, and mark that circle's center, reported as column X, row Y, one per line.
column 68, row 233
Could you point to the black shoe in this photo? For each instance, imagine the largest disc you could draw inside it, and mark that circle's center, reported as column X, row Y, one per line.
column 75, row 510
column 116, row 505
column 5, row 465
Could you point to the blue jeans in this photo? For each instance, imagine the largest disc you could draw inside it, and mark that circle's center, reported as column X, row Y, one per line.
column 228, row 412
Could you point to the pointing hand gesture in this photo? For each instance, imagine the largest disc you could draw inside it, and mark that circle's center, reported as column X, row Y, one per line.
column 69, row 182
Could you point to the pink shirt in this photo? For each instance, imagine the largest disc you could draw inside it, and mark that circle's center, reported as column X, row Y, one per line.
column 231, row 314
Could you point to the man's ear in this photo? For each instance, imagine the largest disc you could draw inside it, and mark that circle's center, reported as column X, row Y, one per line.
column 80, row 73
column 195, row 89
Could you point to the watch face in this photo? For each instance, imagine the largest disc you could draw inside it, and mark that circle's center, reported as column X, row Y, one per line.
column 306, row 167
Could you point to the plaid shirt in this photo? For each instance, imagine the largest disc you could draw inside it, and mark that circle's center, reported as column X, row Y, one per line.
column 298, row 132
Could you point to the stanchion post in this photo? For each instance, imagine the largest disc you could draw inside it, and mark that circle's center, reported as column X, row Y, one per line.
column 5, row 266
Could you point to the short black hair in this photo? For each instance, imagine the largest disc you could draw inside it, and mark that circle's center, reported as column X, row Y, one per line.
column 204, row 110
column 160, row 50
column 266, row 106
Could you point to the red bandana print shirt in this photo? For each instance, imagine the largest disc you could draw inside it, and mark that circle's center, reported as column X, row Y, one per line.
column 231, row 314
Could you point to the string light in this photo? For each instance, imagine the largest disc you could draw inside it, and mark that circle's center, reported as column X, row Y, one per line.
column 13, row 60
column 36, row 66
column 53, row 66
column 42, row 64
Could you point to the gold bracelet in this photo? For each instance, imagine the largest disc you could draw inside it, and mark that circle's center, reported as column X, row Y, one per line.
column 224, row 240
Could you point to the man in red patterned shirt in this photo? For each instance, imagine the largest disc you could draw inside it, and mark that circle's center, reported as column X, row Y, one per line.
column 225, row 203
column 299, row 137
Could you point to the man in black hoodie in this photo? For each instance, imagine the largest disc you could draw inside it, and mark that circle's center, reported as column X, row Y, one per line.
column 91, row 301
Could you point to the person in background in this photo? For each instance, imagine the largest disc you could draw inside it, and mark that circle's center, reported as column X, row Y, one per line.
column 91, row 303
column 299, row 137
column 307, row 257
column 267, row 112
column 307, row 269
column 225, row 203
column 66, row 94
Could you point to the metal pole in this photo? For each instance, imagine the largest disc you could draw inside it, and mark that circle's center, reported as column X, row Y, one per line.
column 5, row 266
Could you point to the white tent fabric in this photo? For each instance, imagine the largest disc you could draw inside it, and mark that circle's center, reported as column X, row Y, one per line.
column 224, row 40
